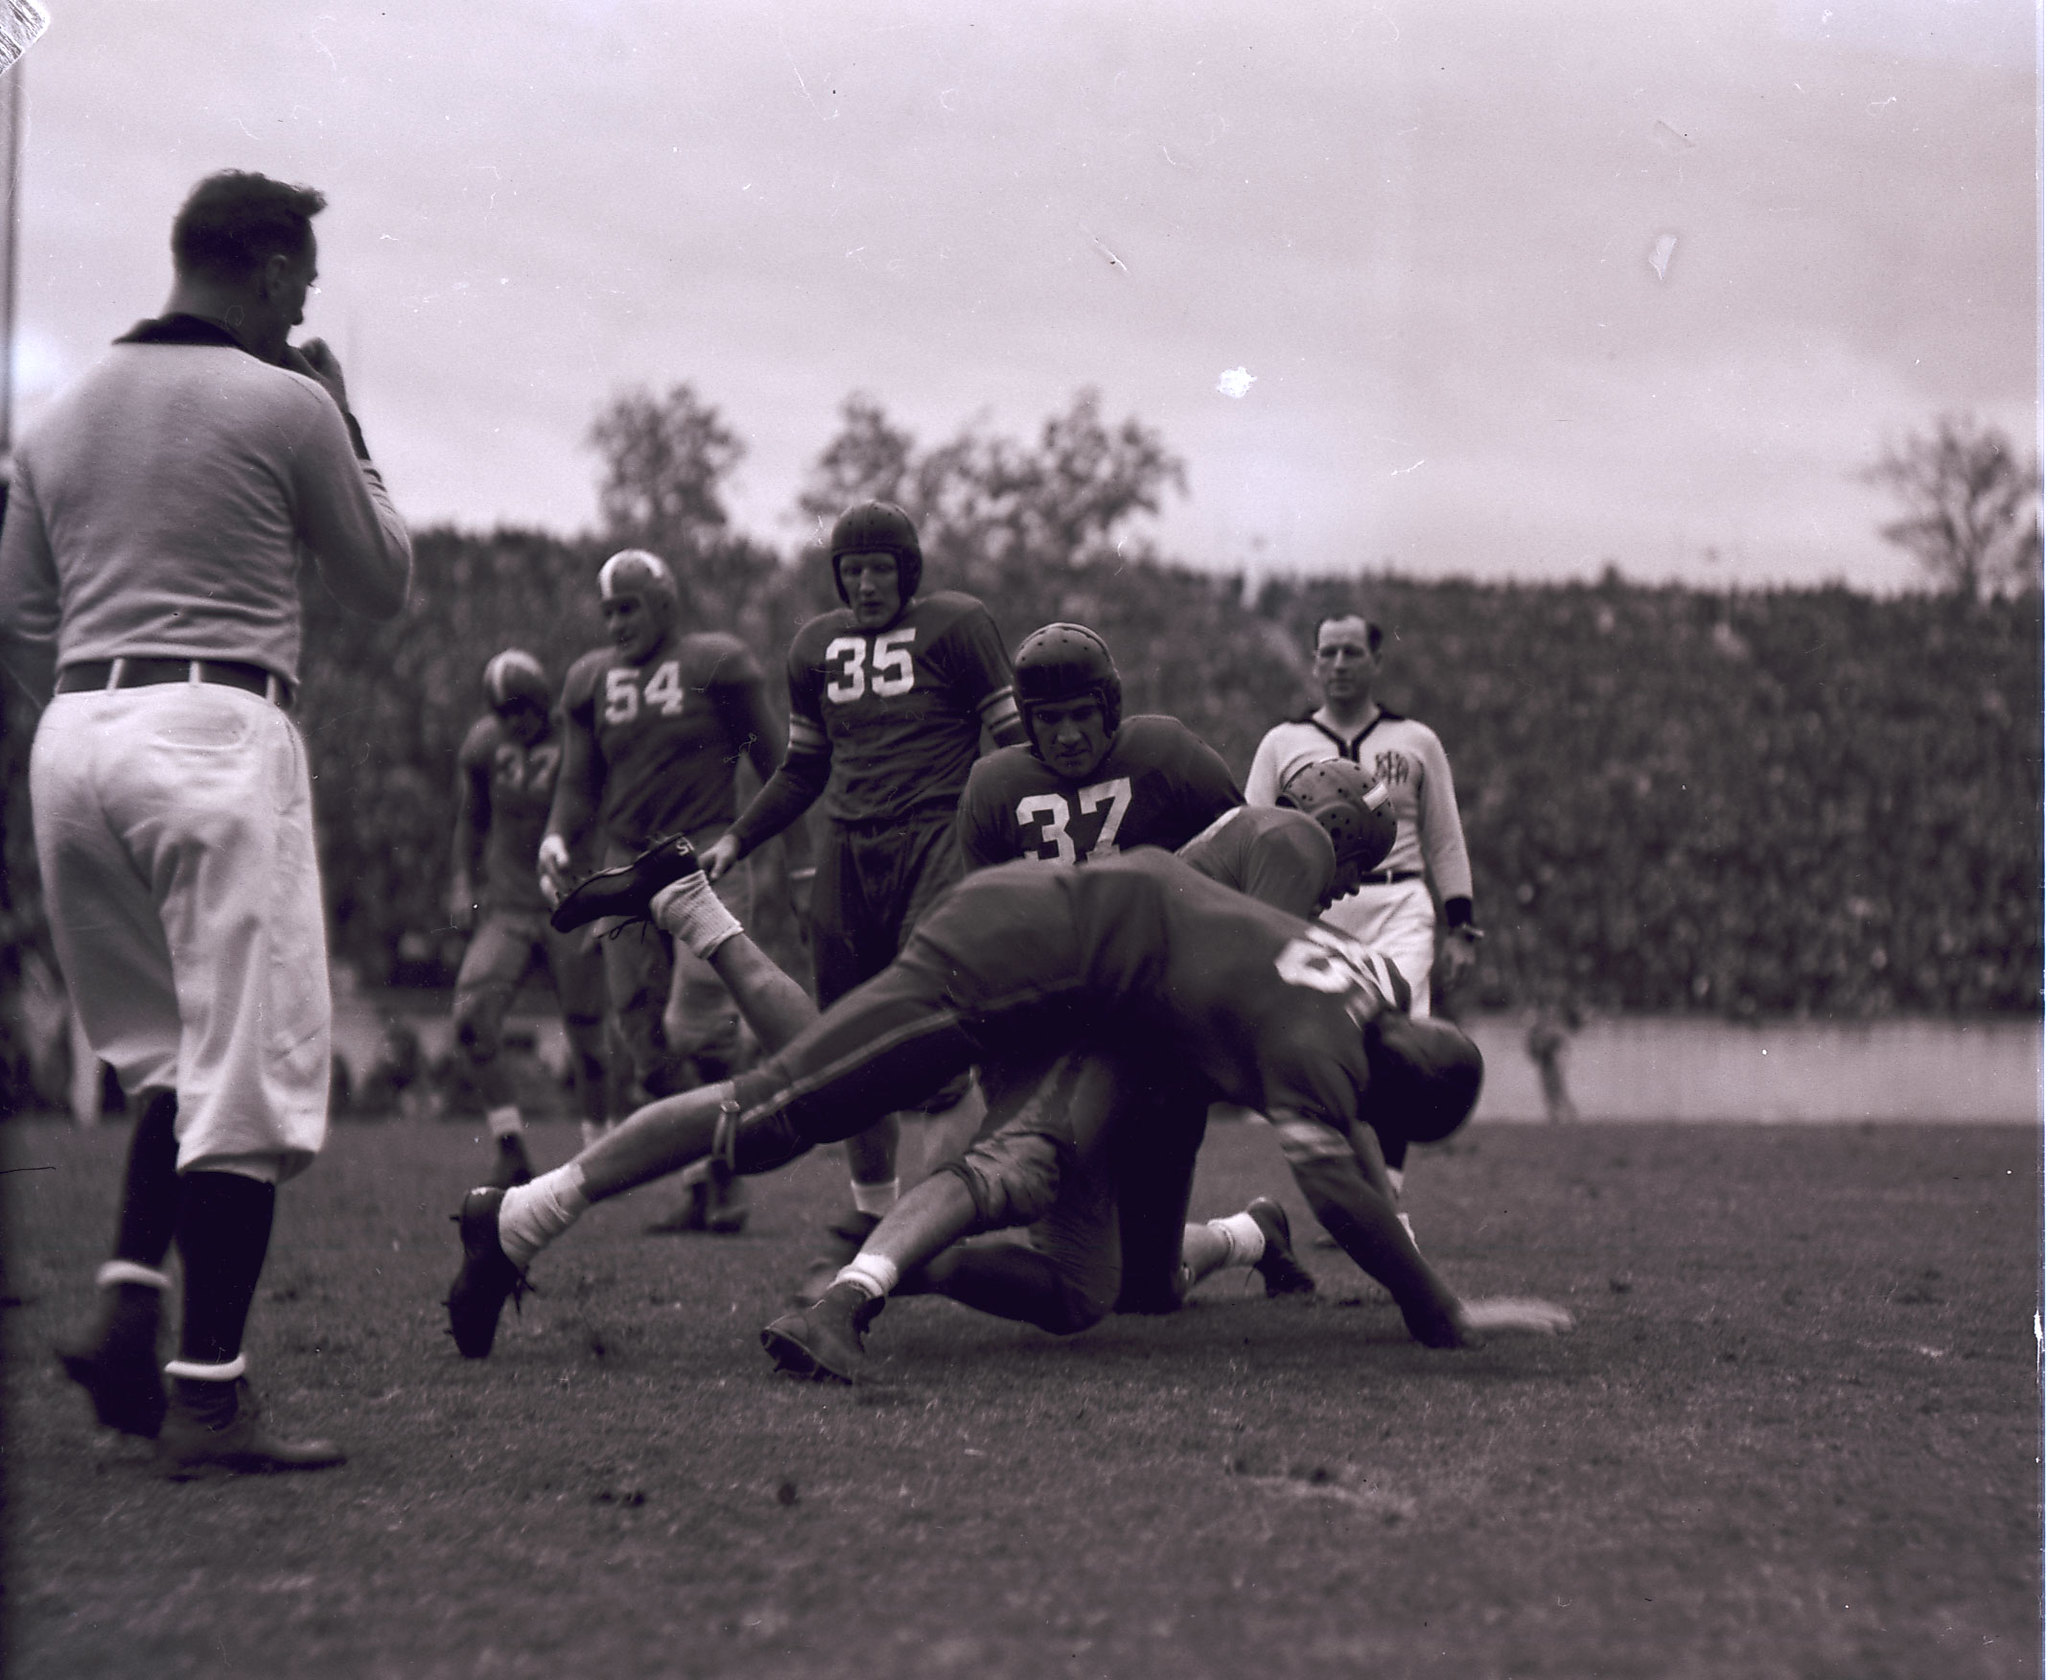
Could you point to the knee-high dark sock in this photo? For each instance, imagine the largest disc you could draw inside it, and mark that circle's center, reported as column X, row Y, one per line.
column 223, row 1235
column 149, row 1187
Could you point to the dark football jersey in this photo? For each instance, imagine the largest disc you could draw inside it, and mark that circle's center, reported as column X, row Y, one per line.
column 900, row 709
column 1279, row 856
column 507, row 788
column 666, row 734
column 1266, row 1008
column 1160, row 785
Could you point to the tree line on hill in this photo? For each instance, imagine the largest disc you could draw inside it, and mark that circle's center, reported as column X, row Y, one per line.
column 1752, row 803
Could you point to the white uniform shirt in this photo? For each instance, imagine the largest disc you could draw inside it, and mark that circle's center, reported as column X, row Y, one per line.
column 1409, row 758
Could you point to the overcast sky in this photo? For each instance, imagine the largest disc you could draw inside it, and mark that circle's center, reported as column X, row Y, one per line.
column 1521, row 290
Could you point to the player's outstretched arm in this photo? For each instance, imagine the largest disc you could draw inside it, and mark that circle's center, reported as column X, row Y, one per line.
column 788, row 794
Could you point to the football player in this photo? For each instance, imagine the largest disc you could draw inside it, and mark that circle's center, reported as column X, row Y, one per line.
column 1088, row 782
column 1270, row 1011
column 888, row 699
column 652, row 729
column 504, row 786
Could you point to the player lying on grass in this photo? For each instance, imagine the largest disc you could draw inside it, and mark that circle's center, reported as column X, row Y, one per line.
column 1017, row 962
column 1096, row 1153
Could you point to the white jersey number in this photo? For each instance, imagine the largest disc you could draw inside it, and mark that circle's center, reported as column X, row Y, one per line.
column 1044, row 816
column 1325, row 960
column 622, row 692
column 894, row 672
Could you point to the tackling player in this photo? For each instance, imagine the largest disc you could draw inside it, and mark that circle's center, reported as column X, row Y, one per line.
column 888, row 699
column 1271, row 1011
column 652, row 729
column 1106, row 1145
column 504, row 785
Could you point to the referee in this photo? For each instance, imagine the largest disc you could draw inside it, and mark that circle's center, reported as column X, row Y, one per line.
column 149, row 596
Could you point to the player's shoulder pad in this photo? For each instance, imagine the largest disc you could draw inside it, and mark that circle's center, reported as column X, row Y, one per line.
column 809, row 642
column 944, row 607
column 1156, row 732
column 719, row 654
column 481, row 741
column 586, row 676
column 995, row 774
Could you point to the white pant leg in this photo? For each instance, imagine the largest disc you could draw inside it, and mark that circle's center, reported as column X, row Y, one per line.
column 1397, row 920
column 174, row 826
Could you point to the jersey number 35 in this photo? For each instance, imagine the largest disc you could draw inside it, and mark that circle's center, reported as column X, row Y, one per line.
column 893, row 671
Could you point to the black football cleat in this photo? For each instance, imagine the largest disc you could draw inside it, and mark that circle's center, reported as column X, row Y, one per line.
column 223, row 1435
column 117, row 1365
column 628, row 891
column 1284, row 1274
column 487, row 1279
column 824, row 1342
column 842, row 1243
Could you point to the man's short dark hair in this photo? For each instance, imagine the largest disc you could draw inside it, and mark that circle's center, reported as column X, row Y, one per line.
column 1373, row 634
column 235, row 221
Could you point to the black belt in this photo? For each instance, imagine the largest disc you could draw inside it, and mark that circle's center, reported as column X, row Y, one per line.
column 90, row 674
column 1387, row 877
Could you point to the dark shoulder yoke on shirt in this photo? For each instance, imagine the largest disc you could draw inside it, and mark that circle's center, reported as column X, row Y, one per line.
column 183, row 329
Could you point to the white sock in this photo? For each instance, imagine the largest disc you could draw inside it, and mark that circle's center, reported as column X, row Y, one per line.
column 193, row 1372
column 127, row 1271
column 695, row 914
column 876, row 1199
column 504, row 1122
column 1247, row 1242
column 871, row 1274
column 533, row 1215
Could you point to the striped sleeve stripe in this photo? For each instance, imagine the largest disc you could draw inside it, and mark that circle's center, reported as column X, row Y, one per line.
column 805, row 737
column 999, row 708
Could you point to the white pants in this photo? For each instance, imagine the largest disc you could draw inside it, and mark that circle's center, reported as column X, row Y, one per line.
column 174, row 826
column 1397, row 920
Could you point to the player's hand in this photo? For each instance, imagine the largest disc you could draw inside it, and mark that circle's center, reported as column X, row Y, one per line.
column 462, row 906
column 554, row 868
column 724, row 853
column 317, row 361
column 1454, row 961
column 1515, row 1315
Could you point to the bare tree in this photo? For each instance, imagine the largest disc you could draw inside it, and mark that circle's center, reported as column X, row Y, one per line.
column 1973, row 506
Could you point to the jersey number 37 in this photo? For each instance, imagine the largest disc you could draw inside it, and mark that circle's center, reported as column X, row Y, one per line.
column 1043, row 817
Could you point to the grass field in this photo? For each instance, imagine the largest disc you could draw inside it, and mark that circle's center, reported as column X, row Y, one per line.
column 1796, row 1433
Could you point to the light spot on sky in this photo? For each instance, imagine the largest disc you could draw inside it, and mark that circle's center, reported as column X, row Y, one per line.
column 1234, row 382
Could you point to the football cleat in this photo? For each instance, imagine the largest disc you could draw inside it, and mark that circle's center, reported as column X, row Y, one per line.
column 224, row 1436
column 118, row 1366
column 842, row 1243
column 628, row 891
column 487, row 1279
column 1284, row 1274
column 824, row 1342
